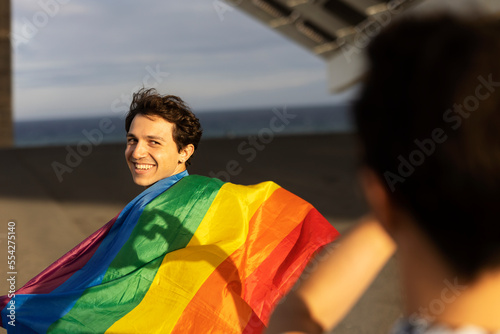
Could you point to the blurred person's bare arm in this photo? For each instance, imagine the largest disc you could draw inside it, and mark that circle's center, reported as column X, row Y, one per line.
column 333, row 287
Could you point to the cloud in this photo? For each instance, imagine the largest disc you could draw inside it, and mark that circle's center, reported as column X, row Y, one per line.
column 89, row 52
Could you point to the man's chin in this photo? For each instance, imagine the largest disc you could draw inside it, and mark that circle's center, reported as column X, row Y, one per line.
column 143, row 182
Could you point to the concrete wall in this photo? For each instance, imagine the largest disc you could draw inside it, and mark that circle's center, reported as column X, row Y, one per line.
column 6, row 127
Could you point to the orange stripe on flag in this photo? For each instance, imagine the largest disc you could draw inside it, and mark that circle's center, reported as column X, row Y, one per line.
column 271, row 224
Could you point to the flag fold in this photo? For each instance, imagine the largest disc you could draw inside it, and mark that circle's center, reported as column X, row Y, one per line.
column 190, row 254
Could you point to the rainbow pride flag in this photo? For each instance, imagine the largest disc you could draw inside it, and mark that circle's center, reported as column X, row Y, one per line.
column 203, row 257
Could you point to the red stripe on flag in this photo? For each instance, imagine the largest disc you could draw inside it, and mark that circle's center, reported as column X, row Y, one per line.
column 254, row 325
column 273, row 231
column 307, row 238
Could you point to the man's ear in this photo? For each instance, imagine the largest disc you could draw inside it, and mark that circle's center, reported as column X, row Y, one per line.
column 378, row 198
column 186, row 152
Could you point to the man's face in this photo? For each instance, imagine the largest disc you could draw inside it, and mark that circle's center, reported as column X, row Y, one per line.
column 151, row 152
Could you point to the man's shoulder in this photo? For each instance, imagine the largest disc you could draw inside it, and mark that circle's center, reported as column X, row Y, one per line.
column 200, row 181
column 194, row 179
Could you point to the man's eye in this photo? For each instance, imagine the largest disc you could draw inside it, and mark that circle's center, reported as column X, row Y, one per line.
column 131, row 140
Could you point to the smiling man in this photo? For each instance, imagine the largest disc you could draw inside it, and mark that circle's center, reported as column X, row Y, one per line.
column 190, row 254
column 162, row 135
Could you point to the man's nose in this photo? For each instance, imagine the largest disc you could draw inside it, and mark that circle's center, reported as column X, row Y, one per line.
column 140, row 151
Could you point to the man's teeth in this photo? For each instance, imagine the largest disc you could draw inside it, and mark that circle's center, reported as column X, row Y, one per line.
column 143, row 167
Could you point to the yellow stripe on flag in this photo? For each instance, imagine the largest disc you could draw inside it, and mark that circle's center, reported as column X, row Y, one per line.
column 182, row 272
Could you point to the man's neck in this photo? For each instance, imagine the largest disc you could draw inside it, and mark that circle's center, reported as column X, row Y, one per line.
column 478, row 304
column 433, row 292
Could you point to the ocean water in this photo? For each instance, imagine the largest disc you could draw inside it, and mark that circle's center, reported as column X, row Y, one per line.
column 215, row 124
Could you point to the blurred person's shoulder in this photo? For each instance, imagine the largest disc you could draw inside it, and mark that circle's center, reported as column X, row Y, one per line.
column 416, row 325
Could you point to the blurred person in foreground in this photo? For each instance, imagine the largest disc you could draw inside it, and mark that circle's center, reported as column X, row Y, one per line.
column 190, row 254
column 428, row 121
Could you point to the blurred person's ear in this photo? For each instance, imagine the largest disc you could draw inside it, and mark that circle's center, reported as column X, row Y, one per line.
column 378, row 199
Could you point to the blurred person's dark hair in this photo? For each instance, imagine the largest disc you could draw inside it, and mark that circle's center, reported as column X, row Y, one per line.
column 187, row 129
column 421, row 71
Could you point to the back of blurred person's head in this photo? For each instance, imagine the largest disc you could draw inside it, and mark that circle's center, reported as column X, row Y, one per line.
column 429, row 125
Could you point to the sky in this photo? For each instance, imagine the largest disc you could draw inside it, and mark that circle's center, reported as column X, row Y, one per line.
column 85, row 58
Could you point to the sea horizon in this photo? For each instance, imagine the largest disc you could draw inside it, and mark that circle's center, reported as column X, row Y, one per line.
column 293, row 120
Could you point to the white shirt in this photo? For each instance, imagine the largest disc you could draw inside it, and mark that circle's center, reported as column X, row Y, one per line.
column 421, row 326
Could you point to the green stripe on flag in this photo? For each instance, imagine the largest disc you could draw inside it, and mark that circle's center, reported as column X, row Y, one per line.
column 166, row 224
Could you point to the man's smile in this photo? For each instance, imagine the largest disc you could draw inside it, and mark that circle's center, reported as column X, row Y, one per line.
column 143, row 167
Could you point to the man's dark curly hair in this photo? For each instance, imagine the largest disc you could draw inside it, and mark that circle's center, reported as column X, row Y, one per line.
column 421, row 72
column 187, row 129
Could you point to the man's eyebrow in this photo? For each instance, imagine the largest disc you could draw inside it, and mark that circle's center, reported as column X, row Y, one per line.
column 155, row 137
column 131, row 135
